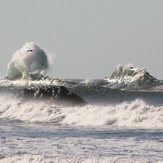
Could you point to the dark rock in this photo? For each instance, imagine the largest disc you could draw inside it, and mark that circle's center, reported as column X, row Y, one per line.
column 58, row 94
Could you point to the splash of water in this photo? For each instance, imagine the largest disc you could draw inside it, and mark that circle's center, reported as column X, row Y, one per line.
column 30, row 59
column 129, row 76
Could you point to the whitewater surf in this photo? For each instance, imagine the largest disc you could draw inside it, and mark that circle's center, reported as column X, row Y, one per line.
column 44, row 119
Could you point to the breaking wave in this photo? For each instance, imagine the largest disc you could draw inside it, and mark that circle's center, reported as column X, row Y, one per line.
column 130, row 77
column 30, row 62
column 134, row 114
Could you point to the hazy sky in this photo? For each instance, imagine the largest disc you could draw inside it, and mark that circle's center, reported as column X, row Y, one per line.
column 88, row 37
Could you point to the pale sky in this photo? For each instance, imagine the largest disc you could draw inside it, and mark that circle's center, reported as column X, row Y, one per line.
column 86, row 38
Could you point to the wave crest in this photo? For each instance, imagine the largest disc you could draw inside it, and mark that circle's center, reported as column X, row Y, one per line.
column 135, row 114
column 128, row 76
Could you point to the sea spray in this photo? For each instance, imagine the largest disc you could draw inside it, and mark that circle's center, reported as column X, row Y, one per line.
column 30, row 59
column 129, row 77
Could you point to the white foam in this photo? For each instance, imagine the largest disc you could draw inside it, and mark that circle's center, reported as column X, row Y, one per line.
column 39, row 159
column 25, row 83
column 136, row 114
column 29, row 59
column 129, row 74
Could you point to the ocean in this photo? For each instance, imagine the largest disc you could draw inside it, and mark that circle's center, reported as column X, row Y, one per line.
column 43, row 120
column 116, row 125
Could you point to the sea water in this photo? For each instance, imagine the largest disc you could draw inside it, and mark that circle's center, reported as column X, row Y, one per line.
column 117, row 131
column 121, row 122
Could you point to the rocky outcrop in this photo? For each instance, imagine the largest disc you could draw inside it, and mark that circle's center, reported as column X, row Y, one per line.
column 58, row 94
